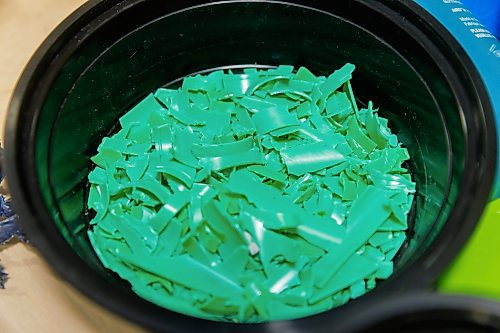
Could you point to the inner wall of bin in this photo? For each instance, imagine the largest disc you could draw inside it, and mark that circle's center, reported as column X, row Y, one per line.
column 114, row 68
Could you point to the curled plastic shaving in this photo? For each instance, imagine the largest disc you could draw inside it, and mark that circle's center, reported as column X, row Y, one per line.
column 249, row 197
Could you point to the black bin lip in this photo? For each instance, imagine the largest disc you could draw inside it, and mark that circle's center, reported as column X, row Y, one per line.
column 428, row 309
column 20, row 168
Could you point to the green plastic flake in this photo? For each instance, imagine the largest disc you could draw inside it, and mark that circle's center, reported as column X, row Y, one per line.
column 356, row 268
column 249, row 197
column 274, row 118
column 358, row 289
column 310, row 157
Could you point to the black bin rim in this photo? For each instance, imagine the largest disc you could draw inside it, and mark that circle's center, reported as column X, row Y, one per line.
column 20, row 167
column 424, row 310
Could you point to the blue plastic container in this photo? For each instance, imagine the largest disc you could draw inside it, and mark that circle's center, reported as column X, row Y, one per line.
column 478, row 41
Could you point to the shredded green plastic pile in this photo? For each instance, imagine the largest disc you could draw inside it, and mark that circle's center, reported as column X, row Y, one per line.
column 251, row 197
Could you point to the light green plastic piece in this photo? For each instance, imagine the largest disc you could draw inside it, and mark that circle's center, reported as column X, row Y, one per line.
column 249, row 197
column 361, row 224
column 310, row 157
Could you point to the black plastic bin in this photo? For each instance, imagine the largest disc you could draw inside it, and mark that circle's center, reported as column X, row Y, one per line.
column 429, row 313
column 111, row 53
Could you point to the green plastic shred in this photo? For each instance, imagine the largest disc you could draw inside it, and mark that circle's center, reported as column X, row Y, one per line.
column 249, row 197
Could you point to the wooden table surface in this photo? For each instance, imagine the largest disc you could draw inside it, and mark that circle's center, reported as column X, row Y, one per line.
column 35, row 300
